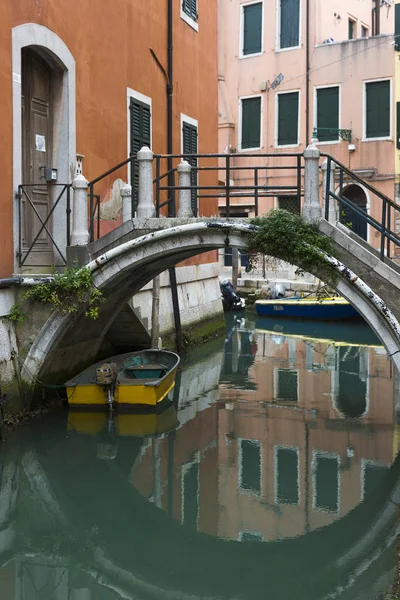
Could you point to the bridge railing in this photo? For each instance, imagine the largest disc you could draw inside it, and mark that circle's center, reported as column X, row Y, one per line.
column 383, row 211
column 237, row 181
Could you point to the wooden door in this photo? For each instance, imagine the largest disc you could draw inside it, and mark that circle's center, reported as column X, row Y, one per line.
column 36, row 155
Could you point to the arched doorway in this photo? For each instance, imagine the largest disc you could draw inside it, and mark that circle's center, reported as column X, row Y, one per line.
column 355, row 194
column 44, row 135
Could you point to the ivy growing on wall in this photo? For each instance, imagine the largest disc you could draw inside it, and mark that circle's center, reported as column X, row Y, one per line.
column 287, row 236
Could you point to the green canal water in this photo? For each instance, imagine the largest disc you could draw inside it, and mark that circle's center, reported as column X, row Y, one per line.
column 273, row 475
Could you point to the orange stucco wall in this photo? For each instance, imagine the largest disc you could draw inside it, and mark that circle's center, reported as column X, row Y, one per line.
column 111, row 43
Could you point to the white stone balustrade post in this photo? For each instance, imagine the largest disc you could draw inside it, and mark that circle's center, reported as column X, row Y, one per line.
column 332, row 214
column 126, row 196
column 145, row 208
column 311, row 210
column 185, row 196
column 80, row 232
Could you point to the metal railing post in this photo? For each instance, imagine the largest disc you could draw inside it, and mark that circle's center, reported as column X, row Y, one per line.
column 227, row 184
column 158, row 167
column 388, row 229
column 383, row 230
column 299, row 181
column 256, row 191
column 68, row 211
column 19, row 197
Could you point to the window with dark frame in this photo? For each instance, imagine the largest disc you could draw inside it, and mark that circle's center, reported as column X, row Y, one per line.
column 327, row 124
column 377, row 109
column 251, row 123
column 364, row 31
column 287, row 476
column 190, row 496
column 326, row 482
column 287, row 385
column 190, row 8
column 140, row 128
column 250, row 466
column 252, row 29
column 289, row 35
column 288, row 119
column 190, row 144
column 351, row 29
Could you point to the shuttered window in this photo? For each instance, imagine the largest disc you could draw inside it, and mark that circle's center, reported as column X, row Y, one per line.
column 289, row 23
column 397, row 27
column 189, row 147
column 190, row 8
column 287, row 476
column 252, row 29
column 288, row 119
column 328, row 114
column 140, row 125
column 250, row 466
column 326, row 484
column 377, row 109
column 251, row 123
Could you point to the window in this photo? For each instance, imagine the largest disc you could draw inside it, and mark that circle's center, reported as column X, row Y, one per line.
column 289, row 24
column 288, row 119
column 377, row 118
column 327, row 114
column 190, row 495
column 189, row 146
column 287, row 476
column 139, row 130
column 397, row 27
column 289, row 203
column 364, row 30
column 372, row 477
column 189, row 13
column 352, row 29
column 250, row 466
column 250, row 138
column 286, row 385
column 326, row 482
column 190, row 8
column 252, row 27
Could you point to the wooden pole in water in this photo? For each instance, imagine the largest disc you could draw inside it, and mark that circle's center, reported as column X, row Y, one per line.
column 235, row 267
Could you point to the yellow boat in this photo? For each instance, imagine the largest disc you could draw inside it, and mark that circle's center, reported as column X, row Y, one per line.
column 125, row 381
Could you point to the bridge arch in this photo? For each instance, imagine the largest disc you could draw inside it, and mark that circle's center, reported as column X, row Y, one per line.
column 122, row 271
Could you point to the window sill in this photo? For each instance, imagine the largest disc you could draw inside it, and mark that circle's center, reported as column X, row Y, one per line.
column 191, row 22
column 277, row 50
column 326, row 143
column 242, row 56
column 243, row 150
column 378, row 139
column 285, row 146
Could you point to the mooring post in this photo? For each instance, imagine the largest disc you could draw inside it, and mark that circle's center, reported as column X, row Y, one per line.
column 145, row 208
column 126, row 197
column 332, row 214
column 312, row 209
column 185, row 197
column 80, row 232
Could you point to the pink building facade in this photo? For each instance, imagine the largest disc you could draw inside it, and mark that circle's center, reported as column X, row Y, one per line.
column 288, row 76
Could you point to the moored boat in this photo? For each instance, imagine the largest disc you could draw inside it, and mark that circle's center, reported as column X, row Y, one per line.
column 326, row 308
column 125, row 381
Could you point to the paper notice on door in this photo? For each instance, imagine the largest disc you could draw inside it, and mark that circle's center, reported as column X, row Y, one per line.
column 40, row 143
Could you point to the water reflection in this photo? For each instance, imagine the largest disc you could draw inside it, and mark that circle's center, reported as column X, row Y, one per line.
column 273, row 474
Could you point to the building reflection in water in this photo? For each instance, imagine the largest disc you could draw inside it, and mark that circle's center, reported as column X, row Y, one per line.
column 298, row 433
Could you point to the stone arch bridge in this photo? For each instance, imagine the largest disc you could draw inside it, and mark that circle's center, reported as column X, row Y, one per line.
column 121, row 269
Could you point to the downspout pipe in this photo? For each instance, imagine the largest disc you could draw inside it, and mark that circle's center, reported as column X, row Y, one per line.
column 308, row 138
column 171, row 204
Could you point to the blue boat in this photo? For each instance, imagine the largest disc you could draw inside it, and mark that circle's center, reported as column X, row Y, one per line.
column 332, row 308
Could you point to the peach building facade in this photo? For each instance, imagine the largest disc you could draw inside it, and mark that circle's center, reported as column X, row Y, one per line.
column 288, row 75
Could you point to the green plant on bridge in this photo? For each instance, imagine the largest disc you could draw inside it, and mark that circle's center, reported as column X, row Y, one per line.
column 288, row 237
column 68, row 292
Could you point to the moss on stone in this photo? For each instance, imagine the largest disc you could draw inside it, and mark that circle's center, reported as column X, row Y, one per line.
column 197, row 334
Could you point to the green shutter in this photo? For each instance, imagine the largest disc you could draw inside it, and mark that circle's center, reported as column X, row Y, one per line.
column 397, row 27
column 328, row 114
column 351, row 29
column 378, row 109
column 190, row 8
column 252, row 28
column 189, row 135
column 288, row 119
column 251, row 121
column 250, row 466
column 140, row 124
column 290, row 23
column 287, row 476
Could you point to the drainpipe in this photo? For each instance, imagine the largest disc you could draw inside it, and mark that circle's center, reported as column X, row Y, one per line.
column 171, row 205
column 308, row 138
column 377, row 17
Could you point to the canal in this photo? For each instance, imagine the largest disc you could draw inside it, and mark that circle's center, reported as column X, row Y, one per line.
column 273, row 475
